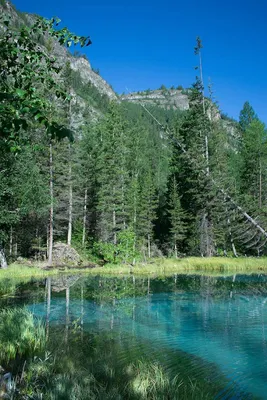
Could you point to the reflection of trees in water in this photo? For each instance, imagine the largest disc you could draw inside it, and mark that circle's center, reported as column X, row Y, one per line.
column 110, row 355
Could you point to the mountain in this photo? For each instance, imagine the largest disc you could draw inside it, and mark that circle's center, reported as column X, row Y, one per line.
column 91, row 93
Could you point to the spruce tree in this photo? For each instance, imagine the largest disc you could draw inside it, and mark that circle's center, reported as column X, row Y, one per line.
column 177, row 218
column 194, row 180
column 112, row 176
column 246, row 116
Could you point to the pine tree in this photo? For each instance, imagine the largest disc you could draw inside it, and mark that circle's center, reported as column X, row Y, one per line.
column 112, row 176
column 177, row 218
column 246, row 116
column 147, row 211
column 254, row 160
column 193, row 177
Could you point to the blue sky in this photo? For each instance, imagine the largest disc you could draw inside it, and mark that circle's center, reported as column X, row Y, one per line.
column 142, row 44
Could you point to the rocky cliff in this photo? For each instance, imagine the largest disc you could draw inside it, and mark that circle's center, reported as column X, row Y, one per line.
column 169, row 99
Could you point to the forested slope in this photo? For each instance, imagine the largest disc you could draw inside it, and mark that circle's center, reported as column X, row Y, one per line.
column 141, row 179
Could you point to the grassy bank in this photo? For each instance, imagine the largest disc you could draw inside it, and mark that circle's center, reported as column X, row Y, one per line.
column 211, row 266
column 193, row 265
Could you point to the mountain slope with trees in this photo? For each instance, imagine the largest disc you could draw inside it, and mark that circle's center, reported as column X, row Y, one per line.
column 116, row 179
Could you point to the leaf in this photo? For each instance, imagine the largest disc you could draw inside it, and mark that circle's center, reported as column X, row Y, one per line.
column 37, row 116
column 21, row 93
column 25, row 110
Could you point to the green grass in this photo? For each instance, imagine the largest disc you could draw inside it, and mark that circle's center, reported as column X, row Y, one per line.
column 20, row 335
column 19, row 271
column 194, row 265
column 155, row 267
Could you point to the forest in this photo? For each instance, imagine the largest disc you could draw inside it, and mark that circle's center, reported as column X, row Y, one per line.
column 134, row 182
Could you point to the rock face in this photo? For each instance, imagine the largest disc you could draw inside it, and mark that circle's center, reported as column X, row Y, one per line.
column 65, row 255
column 169, row 99
column 88, row 75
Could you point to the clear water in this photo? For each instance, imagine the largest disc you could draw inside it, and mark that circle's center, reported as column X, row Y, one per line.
column 218, row 324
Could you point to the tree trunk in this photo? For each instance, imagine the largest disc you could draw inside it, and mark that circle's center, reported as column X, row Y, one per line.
column 3, row 262
column 148, row 246
column 134, row 225
column 114, row 227
column 11, row 242
column 231, row 237
column 16, row 248
column 260, row 187
column 175, row 249
column 70, row 200
column 206, row 237
column 51, row 219
column 84, row 216
column 202, row 81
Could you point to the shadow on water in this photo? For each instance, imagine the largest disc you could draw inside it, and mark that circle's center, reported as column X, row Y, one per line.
column 185, row 337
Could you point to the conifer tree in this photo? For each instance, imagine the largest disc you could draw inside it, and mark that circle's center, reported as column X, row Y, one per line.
column 147, row 210
column 246, row 116
column 254, row 160
column 112, row 176
column 177, row 218
column 195, row 182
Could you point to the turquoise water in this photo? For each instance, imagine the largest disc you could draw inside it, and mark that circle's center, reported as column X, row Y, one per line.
column 218, row 323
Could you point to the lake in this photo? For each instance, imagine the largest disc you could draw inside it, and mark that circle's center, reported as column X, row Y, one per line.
column 184, row 337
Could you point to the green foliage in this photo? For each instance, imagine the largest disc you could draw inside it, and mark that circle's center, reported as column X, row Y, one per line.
column 126, row 248
column 134, row 181
column 3, row 4
column 247, row 115
column 88, row 91
column 177, row 218
column 124, row 251
column 20, row 335
column 96, row 71
column 164, row 90
column 29, row 73
column 106, row 250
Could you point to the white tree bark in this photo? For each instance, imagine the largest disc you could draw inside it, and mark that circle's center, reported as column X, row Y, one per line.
column 148, row 246
column 70, row 200
column 51, row 219
column 11, row 242
column 84, row 216
column 3, row 262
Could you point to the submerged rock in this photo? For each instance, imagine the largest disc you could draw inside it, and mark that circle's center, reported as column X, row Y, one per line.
column 63, row 282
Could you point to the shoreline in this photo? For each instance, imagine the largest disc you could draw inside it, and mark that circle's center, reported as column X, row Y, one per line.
column 155, row 267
